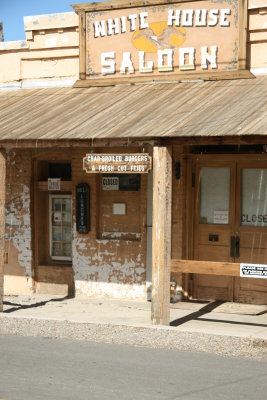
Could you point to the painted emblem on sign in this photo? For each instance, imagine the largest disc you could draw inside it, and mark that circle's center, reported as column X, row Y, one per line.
column 158, row 36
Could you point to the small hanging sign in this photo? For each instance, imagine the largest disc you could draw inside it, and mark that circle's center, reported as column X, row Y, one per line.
column 136, row 163
column 82, row 208
column 110, row 183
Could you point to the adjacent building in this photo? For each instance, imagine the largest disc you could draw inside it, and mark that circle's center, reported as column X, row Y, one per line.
column 1, row 32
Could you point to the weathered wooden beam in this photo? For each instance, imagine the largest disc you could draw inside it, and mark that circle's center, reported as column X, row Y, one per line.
column 2, row 223
column 133, row 142
column 81, row 143
column 205, row 76
column 213, row 140
column 205, row 267
column 161, row 235
column 119, row 4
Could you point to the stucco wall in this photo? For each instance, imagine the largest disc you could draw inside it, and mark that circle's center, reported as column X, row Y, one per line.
column 257, row 37
column 50, row 51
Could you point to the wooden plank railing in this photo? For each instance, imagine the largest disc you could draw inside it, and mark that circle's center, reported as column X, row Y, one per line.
column 205, row 267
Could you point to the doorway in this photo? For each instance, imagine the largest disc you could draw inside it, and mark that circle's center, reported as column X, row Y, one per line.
column 230, row 224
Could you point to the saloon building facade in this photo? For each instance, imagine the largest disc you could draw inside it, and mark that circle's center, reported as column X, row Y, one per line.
column 134, row 153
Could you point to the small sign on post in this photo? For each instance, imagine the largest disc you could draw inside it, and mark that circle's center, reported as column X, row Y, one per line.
column 137, row 163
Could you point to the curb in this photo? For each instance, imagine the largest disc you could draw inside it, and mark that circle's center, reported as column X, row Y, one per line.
column 139, row 336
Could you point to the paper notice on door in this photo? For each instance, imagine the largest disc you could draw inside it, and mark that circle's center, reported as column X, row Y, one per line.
column 221, row 217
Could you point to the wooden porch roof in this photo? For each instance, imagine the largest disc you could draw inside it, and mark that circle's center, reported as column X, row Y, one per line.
column 169, row 110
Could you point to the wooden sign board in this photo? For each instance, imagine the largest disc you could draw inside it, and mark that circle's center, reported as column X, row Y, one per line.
column 136, row 163
column 161, row 40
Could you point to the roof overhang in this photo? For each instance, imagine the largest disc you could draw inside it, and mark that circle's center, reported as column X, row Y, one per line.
column 185, row 111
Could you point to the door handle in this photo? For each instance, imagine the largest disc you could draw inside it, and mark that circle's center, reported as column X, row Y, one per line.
column 237, row 247
column 233, row 246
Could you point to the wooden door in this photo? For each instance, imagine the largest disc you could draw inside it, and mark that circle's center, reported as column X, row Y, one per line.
column 251, row 228
column 214, row 225
column 231, row 225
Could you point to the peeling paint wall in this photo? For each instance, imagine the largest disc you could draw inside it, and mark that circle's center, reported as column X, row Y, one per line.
column 108, row 267
column 111, row 264
column 18, row 237
column 104, row 262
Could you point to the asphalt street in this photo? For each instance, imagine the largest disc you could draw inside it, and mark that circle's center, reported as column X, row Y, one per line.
column 45, row 368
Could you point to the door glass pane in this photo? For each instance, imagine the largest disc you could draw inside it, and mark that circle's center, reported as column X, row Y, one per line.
column 254, row 197
column 214, row 195
column 61, row 228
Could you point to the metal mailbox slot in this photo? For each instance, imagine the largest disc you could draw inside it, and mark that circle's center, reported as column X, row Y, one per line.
column 213, row 238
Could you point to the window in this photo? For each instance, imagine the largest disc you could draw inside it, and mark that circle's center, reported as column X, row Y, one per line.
column 60, row 170
column 214, row 195
column 254, row 197
column 60, row 227
column 120, row 207
column 49, row 169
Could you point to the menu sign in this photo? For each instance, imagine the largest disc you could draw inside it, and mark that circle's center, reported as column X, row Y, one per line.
column 157, row 38
column 117, row 163
column 82, row 208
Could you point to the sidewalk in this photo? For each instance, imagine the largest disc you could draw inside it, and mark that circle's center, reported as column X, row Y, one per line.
column 215, row 318
column 226, row 329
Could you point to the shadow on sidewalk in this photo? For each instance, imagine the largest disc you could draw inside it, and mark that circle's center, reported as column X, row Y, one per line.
column 205, row 310
column 18, row 306
column 195, row 315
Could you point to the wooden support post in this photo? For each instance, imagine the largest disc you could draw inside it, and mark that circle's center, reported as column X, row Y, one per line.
column 2, row 223
column 161, row 235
